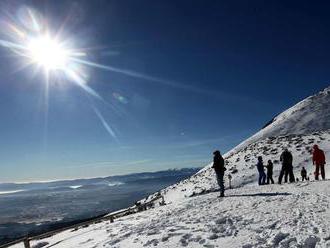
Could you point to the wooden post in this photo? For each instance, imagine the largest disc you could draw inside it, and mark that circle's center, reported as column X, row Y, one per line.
column 229, row 177
column 27, row 243
column 111, row 219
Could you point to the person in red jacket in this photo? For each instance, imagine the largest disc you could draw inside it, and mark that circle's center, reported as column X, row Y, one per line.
column 318, row 161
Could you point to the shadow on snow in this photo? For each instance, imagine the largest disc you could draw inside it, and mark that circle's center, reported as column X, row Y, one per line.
column 203, row 192
column 261, row 194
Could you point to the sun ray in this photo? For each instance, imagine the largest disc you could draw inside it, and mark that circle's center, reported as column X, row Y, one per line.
column 105, row 123
column 46, row 110
column 31, row 39
column 144, row 76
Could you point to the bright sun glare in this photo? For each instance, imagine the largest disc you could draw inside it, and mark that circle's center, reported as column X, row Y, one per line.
column 48, row 53
column 28, row 36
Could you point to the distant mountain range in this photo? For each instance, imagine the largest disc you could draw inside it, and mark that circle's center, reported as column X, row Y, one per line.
column 110, row 180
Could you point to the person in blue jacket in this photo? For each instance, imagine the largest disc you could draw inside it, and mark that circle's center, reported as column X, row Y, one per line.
column 262, row 175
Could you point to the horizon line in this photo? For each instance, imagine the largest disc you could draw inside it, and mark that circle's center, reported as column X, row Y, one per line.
column 100, row 177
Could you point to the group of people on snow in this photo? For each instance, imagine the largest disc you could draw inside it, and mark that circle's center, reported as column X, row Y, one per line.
column 286, row 171
column 262, row 176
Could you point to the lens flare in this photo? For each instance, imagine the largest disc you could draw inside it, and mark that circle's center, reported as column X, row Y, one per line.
column 48, row 53
column 120, row 98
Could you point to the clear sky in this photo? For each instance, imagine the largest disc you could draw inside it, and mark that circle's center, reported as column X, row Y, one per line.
column 178, row 80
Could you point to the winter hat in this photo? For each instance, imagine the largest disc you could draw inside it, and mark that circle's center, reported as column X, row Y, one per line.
column 216, row 152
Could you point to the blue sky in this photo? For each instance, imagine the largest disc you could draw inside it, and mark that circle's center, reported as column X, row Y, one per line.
column 203, row 75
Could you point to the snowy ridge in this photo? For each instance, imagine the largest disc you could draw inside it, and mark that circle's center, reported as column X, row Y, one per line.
column 309, row 115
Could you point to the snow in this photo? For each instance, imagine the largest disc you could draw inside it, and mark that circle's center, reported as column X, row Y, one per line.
column 10, row 191
column 243, row 163
column 287, row 215
column 115, row 184
column 75, row 186
column 290, row 215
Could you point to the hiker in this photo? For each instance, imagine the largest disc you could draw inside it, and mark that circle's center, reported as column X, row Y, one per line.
column 287, row 168
column 319, row 162
column 270, row 172
column 303, row 174
column 262, row 175
column 219, row 168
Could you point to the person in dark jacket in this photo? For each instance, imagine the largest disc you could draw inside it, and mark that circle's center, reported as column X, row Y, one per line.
column 219, row 168
column 287, row 168
column 262, row 175
column 319, row 162
column 270, row 172
column 303, row 174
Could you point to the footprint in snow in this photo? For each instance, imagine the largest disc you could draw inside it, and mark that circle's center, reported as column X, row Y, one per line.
column 202, row 241
column 213, row 236
column 272, row 226
column 81, row 243
column 153, row 242
column 290, row 242
column 113, row 242
column 152, row 232
column 247, row 246
column 279, row 237
column 184, row 242
column 311, row 241
column 209, row 246
column 195, row 239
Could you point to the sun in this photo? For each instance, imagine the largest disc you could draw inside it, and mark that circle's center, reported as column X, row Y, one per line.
column 48, row 53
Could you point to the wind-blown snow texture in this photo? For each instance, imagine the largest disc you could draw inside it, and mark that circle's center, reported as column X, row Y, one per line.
column 275, row 216
column 288, row 215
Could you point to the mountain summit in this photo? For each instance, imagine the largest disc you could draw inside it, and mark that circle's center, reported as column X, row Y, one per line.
column 309, row 115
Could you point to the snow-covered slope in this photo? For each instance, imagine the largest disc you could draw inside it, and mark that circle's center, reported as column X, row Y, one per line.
column 241, row 165
column 295, row 215
column 288, row 215
column 298, row 128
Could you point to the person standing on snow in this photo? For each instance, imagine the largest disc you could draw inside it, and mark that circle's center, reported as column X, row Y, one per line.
column 262, row 175
column 219, row 168
column 318, row 161
column 303, row 174
column 270, row 172
column 287, row 168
